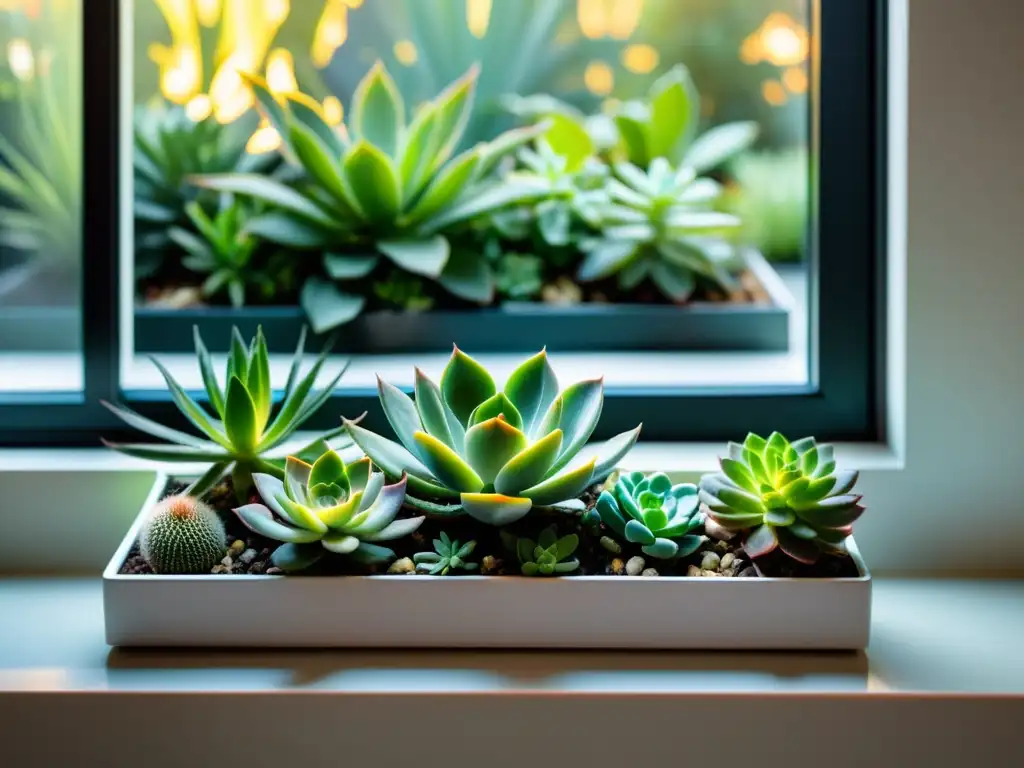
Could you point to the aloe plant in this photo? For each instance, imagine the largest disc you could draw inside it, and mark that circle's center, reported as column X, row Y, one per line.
column 221, row 249
column 381, row 187
column 548, row 556
column 243, row 434
column 494, row 455
column 328, row 506
column 654, row 513
column 660, row 225
column 783, row 495
column 169, row 148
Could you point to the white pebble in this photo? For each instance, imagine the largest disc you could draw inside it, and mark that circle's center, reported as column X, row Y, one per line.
column 227, row 562
column 727, row 560
column 650, row 572
column 403, row 566
column 634, row 566
column 693, row 570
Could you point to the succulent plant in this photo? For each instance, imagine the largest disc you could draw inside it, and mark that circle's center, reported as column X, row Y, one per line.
column 182, row 535
column 378, row 186
column 492, row 454
column 519, row 276
column 548, row 556
column 664, row 124
column 447, row 556
column 241, row 437
column 222, row 249
column 660, row 225
column 652, row 512
column 404, row 291
column 328, row 507
column 785, row 495
column 169, row 148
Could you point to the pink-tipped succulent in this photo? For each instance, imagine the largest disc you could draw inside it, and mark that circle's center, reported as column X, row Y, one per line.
column 494, row 454
column 785, row 495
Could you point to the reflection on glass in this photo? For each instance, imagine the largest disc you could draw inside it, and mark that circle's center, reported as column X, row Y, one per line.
column 675, row 132
column 40, row 174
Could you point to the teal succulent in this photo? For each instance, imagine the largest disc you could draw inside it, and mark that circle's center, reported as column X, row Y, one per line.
column 548, row 556
column 660, row 225
column 182, row 535
column 519, row 276
column 785, row 495
column 328, row 507
column 447, row 556
column 379, row 187
column 652, row 512
column 242, row 435
column 222, row 249
column 494, row 455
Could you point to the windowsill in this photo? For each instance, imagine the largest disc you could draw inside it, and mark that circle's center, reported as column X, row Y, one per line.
column 945, row 637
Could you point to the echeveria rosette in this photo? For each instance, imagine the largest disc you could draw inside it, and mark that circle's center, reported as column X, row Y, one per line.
column 652, row 512
column 785, row 495
column 548, row 556
column 386, row 184
column 243, row 435
column 494, row 454
column 661, row 225
column 328, row 507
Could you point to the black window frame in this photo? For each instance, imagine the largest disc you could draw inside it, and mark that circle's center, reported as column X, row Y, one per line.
column 845, row 314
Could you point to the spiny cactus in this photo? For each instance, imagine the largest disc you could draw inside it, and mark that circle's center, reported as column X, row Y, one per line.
column 183, row 535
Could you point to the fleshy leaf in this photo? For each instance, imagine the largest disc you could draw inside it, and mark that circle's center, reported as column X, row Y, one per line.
column 446, row 465
column 395, row 460
column 426, row 256
column 638, row 533
column 529, row 467
column 490, row 444
column 496, row 405
column 240, row 420
column 258, row 518
column 581, row 405
column 567, row 485
column 495, row 508
column 532, row 387
column 401, row 413
column 378, row 113
column 465, row 384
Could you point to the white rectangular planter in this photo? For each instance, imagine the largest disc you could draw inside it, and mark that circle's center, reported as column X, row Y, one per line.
column 483, row 611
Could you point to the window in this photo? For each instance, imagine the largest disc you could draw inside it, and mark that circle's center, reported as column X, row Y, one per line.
column 787, row 134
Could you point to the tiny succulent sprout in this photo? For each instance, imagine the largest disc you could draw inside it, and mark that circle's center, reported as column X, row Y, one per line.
column 652, row 512
column 785, row 495
column 328, row 507
column 182, row 535
column 447, row 556
column 548, row 556
column 243, row 434
column 494, row 454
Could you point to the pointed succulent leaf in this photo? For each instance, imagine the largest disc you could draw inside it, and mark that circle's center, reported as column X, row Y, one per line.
column 446, row 465
column 454, row 106
column 675, row 108
column 566, row 545
column 437, row 418
column 378, row 113
column 191, row 409
column 270, row 191
column 801, row 550
column 141, row 423
column 568, row 484
column 495, row 508
column 497, row 405
column 395, row 460
column 308, row 112
column 374, row 183
column 486, row 198
column 401, row 413
column 338, row 517
column 532, row 387
column 581, row 405
column 611, row 452
column 380, row 514
column 719, row 144
column 259, row 519
column 490, row 444
column 609, row 257
column 633, row 134
column 213, row 391
column 779, row 517
column 425, row 256
column 447, row 187
column 465, row 384
column 530, row 466
column 845, row 481
column 328, row 469
column 172, row 453
column 396, row 530
column 296, row 480
column 422, row 139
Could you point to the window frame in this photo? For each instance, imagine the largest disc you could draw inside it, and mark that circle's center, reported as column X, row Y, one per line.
column 848, row 125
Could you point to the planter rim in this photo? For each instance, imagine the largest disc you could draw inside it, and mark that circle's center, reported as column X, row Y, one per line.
column 111, row 572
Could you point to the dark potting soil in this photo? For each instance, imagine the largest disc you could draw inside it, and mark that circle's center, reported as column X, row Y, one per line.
column 249, row 553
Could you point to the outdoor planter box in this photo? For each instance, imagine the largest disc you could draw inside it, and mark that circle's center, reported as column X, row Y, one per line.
column 512, row 327
column 482, row 611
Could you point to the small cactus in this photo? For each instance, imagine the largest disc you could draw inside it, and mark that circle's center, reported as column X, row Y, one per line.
column 183, row 535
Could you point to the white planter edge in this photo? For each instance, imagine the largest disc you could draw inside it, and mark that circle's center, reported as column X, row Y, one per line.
column 482, row 611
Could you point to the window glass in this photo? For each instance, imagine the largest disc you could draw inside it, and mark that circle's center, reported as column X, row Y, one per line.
column 611, row 251
column 40, row 195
